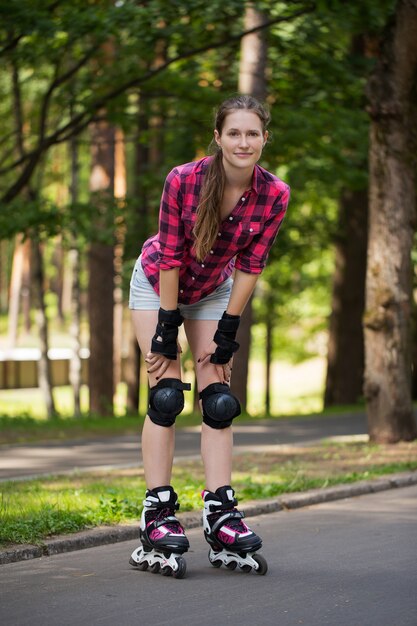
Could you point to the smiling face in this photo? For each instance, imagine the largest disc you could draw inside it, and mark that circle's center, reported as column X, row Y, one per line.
column 241, row 139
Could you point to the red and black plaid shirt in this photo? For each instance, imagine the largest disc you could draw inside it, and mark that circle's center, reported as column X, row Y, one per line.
column 244, row 240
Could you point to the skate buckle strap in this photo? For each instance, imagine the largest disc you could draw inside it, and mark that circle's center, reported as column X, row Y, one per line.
column 170, row 519
column 230, row 515
column 224, row 506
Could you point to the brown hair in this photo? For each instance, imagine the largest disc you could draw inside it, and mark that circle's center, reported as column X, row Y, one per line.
column 211, row 195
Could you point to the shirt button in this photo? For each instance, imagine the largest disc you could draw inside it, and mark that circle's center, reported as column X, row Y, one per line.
column 202, row 265
column 243, row 199
column 251, row 230
column 231, row 219
column 211, row 251
column 219, row 235
column 193, row 277
column 181, row 290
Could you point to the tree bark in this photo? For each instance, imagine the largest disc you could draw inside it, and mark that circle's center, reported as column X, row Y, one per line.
column 101, row 272
column 252, row 81
column 75, row 290
column 387, row 321
column 345, row 358
column 120, row 195
column 253, row 55
column 268, row 358
column 15, row 289
column 44, row 364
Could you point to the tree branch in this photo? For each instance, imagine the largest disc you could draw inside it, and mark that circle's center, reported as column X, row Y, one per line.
column 79, row 122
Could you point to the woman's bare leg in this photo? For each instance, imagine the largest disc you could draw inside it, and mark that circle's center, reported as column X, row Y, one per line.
column 158, row 442
column 216, row 444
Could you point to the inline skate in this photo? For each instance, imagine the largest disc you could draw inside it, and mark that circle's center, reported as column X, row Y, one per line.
column 162, row 536
column 232, row 542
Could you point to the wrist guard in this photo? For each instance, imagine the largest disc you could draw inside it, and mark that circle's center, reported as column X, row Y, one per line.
column 164, row 340
column 225, row 338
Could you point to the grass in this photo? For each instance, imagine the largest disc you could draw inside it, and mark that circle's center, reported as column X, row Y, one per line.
column 31, row 511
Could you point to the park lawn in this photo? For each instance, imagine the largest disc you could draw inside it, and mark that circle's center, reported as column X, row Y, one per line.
column 33, row 510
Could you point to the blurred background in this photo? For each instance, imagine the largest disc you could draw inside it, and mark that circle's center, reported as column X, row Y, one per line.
column 100, row 99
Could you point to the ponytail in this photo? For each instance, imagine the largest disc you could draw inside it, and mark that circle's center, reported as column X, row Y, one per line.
column 208, row 211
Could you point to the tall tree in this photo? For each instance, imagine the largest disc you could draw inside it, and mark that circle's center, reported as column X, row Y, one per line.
column 252, row 81
column 345, row 359
column 101, row 270
column 393, row 109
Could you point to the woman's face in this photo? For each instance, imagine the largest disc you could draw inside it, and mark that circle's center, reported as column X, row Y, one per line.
column 241, row 139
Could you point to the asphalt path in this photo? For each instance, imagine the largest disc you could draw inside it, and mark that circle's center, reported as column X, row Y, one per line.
column 345, row 563
column 19, row 461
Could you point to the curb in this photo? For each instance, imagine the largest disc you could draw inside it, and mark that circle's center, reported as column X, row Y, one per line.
column 127, row 532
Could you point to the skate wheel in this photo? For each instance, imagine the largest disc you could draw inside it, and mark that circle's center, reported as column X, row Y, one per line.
column 263, row 565
column 140, row 566
column 232, row 565
column 166, row 571
column 245, row 568
column 154, row 568
column 215, row 562
column 182, row 568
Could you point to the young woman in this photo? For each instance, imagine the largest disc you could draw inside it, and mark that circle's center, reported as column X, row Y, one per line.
column 219, row 217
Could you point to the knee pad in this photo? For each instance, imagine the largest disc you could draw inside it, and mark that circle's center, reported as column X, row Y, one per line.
column 166, row 401
column 220, row 406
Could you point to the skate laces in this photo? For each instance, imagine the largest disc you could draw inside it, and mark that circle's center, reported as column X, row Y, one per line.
column 159, row 515
column 234, row 524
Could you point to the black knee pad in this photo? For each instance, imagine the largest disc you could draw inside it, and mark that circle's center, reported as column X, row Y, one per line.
column 166, row 401
column 220, row 406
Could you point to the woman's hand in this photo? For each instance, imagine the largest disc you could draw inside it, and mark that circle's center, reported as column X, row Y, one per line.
column 158, row 364
column 224, row 371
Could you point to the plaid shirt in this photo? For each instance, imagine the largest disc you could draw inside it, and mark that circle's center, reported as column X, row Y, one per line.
column 244, row 240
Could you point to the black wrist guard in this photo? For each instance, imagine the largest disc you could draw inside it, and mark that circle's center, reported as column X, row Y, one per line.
column 164, row 340
column 225, row 338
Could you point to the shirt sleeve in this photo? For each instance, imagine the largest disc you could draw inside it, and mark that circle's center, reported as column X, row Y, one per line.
column 252, row 259
column 171, row 227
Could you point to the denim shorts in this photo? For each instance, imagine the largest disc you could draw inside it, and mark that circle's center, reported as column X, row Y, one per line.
column 142, row 297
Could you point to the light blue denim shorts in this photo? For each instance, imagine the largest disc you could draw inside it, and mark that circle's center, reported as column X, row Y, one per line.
column 142, row 297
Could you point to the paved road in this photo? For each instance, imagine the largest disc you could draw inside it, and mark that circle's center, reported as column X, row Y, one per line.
column 345, row 563
column 20, row 461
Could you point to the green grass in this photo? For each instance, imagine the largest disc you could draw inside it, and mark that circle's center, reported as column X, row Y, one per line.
column 31, row 511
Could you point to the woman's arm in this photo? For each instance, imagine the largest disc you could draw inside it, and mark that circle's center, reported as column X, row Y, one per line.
column 168, row 288
column 168, row 285
column 243, row 286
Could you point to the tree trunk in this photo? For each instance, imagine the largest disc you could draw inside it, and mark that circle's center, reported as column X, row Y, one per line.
column 15, row 289
column 387, row 319
column 26, row 282
column 4, row 275
column 44, row 364
column 345, row 359
column 252, row 81
column 414, row 353
column 120, row 194
column 101, row 272
column 253, row 55
column 74, row 289
column 268, row 359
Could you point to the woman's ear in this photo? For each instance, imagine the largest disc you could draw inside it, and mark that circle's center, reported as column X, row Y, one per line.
column 217, row 137
column 265, row 138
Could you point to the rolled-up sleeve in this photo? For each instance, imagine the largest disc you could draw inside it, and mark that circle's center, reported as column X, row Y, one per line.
column 171, row 227
column 252, row 259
